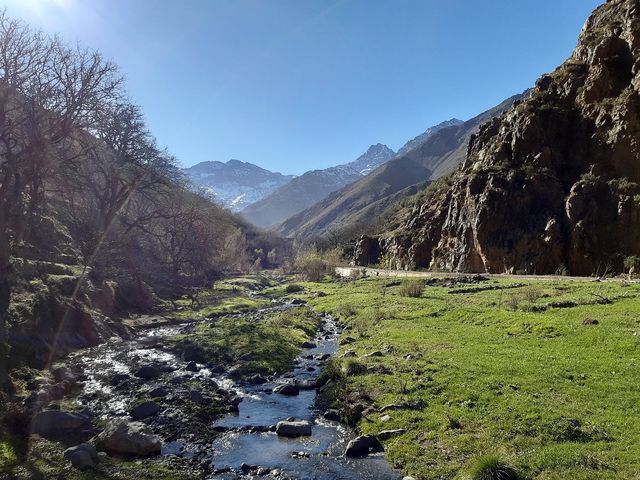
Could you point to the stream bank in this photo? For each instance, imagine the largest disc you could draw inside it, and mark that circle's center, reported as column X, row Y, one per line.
column 212, row 423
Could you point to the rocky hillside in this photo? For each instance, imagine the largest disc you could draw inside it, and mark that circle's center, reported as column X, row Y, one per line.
column 362, row 205
column 235, row 184
column 313, row 186
column 553, row 184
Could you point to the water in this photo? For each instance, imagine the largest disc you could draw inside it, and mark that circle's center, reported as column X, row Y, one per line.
column 322, row 453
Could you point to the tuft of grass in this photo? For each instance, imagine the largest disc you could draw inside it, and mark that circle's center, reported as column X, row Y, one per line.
column 411, row 288
column 490, row 467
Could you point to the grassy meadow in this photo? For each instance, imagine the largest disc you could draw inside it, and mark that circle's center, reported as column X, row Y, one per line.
column 541, row 374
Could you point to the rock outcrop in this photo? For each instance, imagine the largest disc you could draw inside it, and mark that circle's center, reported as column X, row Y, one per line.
column 553, row 184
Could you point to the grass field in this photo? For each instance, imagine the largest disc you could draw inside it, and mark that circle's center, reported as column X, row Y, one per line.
column 542, row 374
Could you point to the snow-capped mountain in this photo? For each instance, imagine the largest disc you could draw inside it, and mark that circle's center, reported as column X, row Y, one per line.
column 313, row 186
column 235, row 184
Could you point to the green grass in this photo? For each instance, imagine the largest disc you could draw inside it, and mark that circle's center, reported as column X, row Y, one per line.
column 271, row 341
column 519, row 378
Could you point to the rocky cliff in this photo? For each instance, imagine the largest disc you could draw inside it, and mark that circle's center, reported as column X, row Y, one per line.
column 553, row 184
column 363, row 205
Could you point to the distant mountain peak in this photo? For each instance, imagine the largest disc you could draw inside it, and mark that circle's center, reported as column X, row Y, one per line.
column 411, row 144
column 235, row 184
column 375, row 156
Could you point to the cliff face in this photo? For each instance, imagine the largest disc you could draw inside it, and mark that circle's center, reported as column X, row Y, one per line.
column 554, row 183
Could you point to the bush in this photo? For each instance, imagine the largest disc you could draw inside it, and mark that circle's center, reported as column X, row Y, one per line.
column 531, row 294
column 345, row 310
column 313, row 265
column 490, row 467
column 632, row 264
column 293, row 288
column 353, row 368
column 411, row 288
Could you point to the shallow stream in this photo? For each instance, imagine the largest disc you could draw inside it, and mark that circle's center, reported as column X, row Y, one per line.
column 244, row 448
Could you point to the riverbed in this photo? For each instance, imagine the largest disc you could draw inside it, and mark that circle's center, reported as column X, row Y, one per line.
column 242, row 444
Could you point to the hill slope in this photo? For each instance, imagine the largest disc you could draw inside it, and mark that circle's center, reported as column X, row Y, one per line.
column 235, row 184
column 363, row 203
column 313, row 186
column 553, row 184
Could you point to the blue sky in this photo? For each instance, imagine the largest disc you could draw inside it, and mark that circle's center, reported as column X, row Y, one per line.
column 293, row 85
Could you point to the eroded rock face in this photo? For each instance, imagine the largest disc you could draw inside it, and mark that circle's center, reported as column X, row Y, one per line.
column 553, row 184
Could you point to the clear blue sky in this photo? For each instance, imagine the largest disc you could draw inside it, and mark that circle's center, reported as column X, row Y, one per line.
column 293, row 85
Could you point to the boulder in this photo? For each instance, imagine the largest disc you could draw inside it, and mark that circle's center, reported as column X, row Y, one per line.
column 118, row 378
column 129, row 438
column 375, row 354
column 84, row 447
column 192, row 367
column 290, row 389
column 158, row 392
column 148, row 372
column 307, row 384
column 196, row 397
column 257, row 379
column 308, row 344
column 54, row 424
column 362, row 446
column 333, row 415
column 145, row 409
column 82, row 460
column 291, row 429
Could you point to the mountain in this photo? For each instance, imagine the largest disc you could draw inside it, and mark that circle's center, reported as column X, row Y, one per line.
column 363, row 204
column 235, row 184
column 411, row 144
column 552, row 185
column 313, row 186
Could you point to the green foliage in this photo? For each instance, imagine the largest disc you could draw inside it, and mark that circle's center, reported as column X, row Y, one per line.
column 632, row 263
column 270, row 341
column 411, row 288
column 490, row 467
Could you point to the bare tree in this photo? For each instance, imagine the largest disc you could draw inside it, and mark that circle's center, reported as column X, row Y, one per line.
column 46, row 92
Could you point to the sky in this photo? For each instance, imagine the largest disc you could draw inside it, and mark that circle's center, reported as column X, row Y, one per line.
column 295, row 85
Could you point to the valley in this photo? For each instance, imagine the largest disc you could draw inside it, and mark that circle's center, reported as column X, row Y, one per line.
column 391, row 358
column 462, row 305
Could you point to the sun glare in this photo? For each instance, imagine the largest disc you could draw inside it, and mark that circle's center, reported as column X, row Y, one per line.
column 39, row 6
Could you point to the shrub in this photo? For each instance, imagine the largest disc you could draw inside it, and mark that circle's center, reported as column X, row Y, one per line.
column 632, row 264
column 362, row 324
column 513, row 302
column 345, row 310
column 353, row 368
column 531, row 294
column 293, row 288
column 490, row 467
column 313, row 265
column 411, row 288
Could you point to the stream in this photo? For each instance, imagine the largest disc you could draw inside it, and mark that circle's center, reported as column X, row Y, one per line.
column 237, row 445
